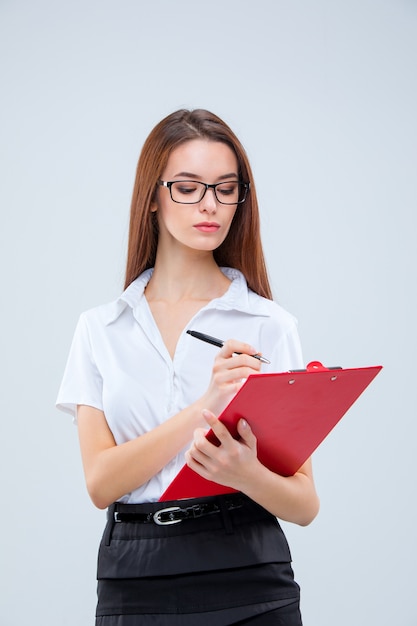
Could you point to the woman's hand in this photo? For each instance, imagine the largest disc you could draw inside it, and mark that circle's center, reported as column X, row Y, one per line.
column 233, row 462
column 230, row 370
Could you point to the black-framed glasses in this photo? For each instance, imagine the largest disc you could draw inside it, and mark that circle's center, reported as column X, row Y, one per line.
column 193, row 191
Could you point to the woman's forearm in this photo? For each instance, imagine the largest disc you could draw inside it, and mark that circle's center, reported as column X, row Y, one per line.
column 292, row 499
column 113, row 470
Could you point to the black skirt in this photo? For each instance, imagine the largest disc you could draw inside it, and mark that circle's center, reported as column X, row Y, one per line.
column 227, row 562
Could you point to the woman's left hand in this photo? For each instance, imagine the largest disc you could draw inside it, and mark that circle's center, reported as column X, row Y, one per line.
column 232, row 462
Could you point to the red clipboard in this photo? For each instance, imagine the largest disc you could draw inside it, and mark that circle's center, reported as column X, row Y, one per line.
column 290, row 414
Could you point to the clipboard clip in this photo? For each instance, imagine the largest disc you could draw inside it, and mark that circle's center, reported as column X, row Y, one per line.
column 316, row 366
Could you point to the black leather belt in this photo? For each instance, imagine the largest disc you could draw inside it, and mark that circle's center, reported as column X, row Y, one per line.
column 174, row 514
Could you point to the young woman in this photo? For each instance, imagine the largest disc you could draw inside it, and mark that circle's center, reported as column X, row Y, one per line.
column 144, row 393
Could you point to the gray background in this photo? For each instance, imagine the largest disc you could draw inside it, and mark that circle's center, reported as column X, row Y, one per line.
column 324, row 97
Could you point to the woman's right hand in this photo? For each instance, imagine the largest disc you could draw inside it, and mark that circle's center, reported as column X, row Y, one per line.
column 232, row 366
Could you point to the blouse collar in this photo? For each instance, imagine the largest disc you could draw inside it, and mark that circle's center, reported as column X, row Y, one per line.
column 238, row 297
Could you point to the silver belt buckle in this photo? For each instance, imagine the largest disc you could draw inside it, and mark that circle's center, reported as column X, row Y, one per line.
column 157, row 516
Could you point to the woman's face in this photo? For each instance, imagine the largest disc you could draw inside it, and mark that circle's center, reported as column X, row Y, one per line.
column 202, row 226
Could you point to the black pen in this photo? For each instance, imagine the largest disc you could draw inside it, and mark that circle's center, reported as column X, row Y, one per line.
column 219, row 343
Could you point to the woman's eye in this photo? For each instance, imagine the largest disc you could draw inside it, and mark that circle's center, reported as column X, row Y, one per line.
column 186, row 190
column 227, row 190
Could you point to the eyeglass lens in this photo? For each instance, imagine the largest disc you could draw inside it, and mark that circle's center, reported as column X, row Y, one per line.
column 191, row 192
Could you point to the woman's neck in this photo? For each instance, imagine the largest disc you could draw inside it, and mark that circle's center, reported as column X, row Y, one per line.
column 179, row 289
column 196, row 278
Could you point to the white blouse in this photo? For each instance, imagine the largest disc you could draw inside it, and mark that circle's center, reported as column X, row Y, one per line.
column 119, row 364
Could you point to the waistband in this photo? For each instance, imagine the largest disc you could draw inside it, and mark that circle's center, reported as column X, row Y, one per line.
column 177, row 511
column 210, row 533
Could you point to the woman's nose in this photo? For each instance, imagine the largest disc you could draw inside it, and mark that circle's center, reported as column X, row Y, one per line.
column 209, row 202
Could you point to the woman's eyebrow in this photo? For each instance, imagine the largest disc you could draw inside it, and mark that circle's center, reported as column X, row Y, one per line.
column 198, row 177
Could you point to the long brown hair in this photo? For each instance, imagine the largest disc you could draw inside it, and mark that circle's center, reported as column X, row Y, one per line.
column 242, row 248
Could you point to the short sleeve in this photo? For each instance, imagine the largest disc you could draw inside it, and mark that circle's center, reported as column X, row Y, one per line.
column 82, row 382
column 291, row 347
column 287, row 353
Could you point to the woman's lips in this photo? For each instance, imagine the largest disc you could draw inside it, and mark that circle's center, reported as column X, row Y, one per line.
column 207, row 227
